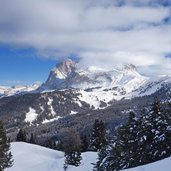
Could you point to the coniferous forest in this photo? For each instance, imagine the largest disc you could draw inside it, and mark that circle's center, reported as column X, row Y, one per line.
column 144, row 139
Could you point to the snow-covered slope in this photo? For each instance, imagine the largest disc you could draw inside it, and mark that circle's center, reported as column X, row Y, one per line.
column 98, row 85
column 37, row 158
column 95, row 85
column 151, row 86
column 10, row 91
column 3, row 89
column 28, row 157
column 164, row 165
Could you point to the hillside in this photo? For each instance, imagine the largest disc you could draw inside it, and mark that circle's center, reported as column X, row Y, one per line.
column 36, row 158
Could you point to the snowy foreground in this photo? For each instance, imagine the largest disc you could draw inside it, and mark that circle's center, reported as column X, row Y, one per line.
column 28, row 157
column 36, row 158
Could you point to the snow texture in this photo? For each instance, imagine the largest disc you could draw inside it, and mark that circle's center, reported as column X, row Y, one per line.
column 28, row 157
column 164, row 165
column 31, row 115
column 37, row 158
column 14, row 90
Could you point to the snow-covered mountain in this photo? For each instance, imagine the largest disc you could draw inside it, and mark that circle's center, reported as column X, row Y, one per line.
column 14, row 90
column 98, row 84
column 152, row 85
column 95, row 84
column 119, row 81
column 68, row 75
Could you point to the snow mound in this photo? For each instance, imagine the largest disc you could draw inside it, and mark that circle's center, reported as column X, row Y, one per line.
column 164, row 165
column 36, row 158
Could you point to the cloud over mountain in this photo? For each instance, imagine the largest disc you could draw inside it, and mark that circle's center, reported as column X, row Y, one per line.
column 128, row 31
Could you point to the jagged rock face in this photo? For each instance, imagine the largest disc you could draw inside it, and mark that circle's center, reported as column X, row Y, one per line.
column 58, row 75
column 66, row 67
column 67, row 75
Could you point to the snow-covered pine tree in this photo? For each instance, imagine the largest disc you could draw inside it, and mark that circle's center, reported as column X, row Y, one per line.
column 125, row 150
column 157, row 123
column 142, row 140
column 98, row 137
column 6, row 160
column 103, row 155
column 120, row 155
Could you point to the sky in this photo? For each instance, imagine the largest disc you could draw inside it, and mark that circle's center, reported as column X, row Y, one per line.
column 35, row 35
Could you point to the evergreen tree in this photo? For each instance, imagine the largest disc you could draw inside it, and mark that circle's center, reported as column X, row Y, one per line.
column 72, row 147
column 85, row 144
column 142, row 140
column 32, row 139
column 6, row 160
column 98, row 138
column 21, row 136
column 158, row 124
column 51, row 144
column 100, row 165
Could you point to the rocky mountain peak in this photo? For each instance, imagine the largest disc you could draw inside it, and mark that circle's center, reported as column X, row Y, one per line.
column 65, row 67
column 129, row 67
column 68, row 75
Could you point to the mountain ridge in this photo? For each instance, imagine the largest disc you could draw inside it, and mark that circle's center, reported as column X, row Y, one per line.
column 119, row 91
column 68, row 75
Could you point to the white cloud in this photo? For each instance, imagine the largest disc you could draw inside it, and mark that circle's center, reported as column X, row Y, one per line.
column 99, row 32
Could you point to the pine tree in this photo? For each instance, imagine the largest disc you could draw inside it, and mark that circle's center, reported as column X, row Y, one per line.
column 160, row 134
column 72, row 147
column 21, row 136
column 142, row 140
column 51, row 144
column 6, row 160
column 98, row 138
column 123, row 153
column 85, row 144
column 126, row 145
column 103, row 154
column 32, row 139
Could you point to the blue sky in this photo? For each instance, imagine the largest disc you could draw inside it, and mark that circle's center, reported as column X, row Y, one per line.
column 35, row 35
column 23, row 67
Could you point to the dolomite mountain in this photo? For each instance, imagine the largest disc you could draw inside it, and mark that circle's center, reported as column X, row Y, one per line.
column 122, row 81
column 74, row 96
column 68, row 75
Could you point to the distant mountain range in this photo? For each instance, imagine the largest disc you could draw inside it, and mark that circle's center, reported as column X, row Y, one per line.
column 122, row 81
column 68, row 75
column 74, row 97
column 17, row 90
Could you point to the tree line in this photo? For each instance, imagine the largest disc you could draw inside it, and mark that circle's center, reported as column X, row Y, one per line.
column 6, row 160
column 71, row 142
column 145, row 138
